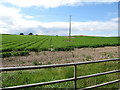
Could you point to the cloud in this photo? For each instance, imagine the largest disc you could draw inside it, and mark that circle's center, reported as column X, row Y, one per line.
column 115, row 19
column 14, row 22
column 51, row 3
column 29, row 17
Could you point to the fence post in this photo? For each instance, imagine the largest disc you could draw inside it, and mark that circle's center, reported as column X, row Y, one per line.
column 75, row 76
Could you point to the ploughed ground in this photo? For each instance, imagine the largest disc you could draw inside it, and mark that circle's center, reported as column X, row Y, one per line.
column 59, row 57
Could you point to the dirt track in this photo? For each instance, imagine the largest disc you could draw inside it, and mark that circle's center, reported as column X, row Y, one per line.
column 48, row 57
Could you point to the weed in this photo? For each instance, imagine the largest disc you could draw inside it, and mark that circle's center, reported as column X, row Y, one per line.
column 44, row 53
column 10, row 60
column 36, row 63
column 73, row 54
column 83, row 55
column 49, row 62
column 22, row 62
column 108, row 54
column 37, row 53
column 87, row 57
column 58, row 59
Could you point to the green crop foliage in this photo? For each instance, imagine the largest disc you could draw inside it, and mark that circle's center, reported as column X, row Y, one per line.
column 14, row 43
column 5, row 54
column 18, row 53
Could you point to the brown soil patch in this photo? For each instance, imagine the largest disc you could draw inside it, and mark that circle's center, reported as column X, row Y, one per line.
column 58, row 57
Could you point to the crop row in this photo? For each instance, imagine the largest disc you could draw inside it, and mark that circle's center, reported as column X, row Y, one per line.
column 35, row 47
column 54, row 43
column 8, row 54
column 11, row 48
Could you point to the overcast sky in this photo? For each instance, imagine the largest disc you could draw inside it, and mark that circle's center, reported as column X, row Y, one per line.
column 51, row 17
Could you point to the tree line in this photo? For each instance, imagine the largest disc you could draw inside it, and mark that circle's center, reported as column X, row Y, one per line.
column 28, row 34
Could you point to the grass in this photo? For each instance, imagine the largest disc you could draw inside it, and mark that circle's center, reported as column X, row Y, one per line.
column 13, row 78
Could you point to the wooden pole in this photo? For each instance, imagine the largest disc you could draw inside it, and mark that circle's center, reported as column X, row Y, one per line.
column 70, row 29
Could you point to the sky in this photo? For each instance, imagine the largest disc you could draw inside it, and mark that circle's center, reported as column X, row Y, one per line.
column 51, row 17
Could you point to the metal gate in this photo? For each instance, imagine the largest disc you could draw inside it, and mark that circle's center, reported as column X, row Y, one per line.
column 75, row 78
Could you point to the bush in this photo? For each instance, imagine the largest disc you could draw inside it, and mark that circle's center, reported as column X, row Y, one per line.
column 30, row 34
column 21, row 33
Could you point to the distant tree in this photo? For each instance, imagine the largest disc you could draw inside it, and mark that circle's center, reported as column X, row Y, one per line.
column 21, row 33
column 30, row 34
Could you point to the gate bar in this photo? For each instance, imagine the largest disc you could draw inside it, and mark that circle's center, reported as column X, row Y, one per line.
column 57, row 81
column 99, row 85
column 53, row 65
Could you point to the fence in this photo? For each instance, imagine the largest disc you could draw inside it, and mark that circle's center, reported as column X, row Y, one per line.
column 75, row 78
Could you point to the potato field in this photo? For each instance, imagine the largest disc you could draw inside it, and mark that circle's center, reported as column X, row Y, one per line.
column 20, row 45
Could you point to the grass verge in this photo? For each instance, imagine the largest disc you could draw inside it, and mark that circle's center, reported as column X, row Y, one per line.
column 13, row 78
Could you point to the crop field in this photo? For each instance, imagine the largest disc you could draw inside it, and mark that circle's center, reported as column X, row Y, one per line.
column 20, row 45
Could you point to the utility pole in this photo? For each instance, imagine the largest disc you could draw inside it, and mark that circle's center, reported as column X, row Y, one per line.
column 70, row 29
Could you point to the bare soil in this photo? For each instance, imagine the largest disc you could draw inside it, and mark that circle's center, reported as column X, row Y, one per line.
column 58, row 57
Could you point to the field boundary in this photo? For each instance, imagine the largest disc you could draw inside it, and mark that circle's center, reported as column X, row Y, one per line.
column 75, row 78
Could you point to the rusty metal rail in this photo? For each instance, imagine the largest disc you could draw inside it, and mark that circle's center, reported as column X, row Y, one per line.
column 75, row 78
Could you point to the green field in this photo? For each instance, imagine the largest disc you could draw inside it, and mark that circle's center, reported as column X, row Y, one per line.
column 20, row 45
